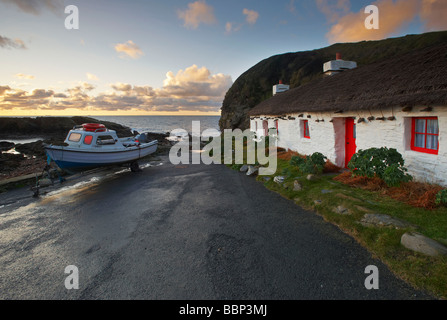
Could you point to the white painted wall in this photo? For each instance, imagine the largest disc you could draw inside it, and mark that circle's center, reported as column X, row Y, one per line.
column 328, row 138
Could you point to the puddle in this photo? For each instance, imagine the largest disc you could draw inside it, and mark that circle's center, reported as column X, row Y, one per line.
column 75, row 187
column 22, row 141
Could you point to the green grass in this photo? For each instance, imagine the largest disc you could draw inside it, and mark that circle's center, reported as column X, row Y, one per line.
column 423, row 272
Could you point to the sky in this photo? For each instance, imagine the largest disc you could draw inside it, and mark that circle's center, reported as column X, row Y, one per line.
column 174, row 57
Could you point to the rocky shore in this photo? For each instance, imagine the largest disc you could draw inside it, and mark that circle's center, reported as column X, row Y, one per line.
column 18, row 159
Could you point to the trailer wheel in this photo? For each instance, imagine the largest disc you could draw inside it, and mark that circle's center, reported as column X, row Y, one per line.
column 134, row 167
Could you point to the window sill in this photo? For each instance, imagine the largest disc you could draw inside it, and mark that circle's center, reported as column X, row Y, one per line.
column 421, row 153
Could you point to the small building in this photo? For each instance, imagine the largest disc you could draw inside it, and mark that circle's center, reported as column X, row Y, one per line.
column 398, row 103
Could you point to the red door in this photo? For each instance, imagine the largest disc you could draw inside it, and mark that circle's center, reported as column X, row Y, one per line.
column 265, row 125
column 350, row 147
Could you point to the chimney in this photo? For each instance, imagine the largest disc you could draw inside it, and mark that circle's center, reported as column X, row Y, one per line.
column 339, row 65
column 280, row 87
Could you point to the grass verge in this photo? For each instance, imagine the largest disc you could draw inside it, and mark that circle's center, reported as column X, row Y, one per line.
column 324, row 194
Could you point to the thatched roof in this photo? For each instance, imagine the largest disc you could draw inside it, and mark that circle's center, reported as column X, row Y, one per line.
column 416, row 78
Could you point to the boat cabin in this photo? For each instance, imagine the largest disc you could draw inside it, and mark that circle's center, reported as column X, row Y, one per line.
column 92, row 135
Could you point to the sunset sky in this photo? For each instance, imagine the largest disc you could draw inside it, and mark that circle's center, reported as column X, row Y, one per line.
column 170, row 57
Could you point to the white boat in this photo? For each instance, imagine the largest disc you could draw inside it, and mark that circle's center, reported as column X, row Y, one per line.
column 93, row 145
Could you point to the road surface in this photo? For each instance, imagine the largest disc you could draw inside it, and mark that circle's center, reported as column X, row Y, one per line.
column 178, row 233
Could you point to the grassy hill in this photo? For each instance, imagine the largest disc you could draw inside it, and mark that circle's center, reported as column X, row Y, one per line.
column 255, row 85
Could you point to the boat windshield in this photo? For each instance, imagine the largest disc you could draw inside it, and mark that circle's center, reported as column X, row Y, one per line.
column 75, row 137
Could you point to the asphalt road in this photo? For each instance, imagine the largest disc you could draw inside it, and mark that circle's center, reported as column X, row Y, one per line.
column 178, row 233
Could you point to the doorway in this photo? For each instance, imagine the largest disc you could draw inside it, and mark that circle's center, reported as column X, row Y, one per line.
column 350, row 140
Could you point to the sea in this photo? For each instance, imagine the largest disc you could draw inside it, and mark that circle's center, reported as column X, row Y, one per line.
column 163, row 124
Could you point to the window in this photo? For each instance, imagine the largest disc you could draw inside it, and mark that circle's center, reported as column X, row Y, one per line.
column 277, row 126
column 88, row 139
column 105, row 140
column 75, row 137
column 425, row 135
column 306, row 131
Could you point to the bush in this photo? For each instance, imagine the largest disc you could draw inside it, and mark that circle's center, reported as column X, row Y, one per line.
column 441, row 197
column 387, row 164
column 313, row 164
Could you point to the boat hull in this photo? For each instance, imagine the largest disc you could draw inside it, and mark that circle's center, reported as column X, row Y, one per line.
column 78, row 160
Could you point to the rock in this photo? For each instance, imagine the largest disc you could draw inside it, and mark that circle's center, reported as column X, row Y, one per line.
column 318, row 202
column 342, row 210
column 266, row 179
column 422, row 244
column 45, row 182
column 279, row 179
column 251, row 170
column 5, row 145
column 311, row 177
column 56, row 127
column 32, row 149
column 244, row 168
column 9, row 161
column 297, row 186
column 383, row 220
column 324, row 191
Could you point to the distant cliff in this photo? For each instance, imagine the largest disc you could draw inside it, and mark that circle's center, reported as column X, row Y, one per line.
column 255, row 85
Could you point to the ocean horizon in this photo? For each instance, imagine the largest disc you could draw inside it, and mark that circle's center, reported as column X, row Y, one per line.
column 163, row 124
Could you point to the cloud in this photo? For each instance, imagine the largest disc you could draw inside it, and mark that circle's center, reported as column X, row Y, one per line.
column 24, row 76
column 124, row 87
column 129, row 49
column 349, row 26
column 191, row 89
column 334, row 9
column 433, row 15
column 92, row 77
column 8, row 43
column 291, row 7
column 198, row 12
column 251, row 16
column 35, row 7
column 231, row 27
column 3, row 89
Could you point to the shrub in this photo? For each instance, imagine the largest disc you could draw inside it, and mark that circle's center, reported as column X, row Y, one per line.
column 384, row 163
column 441, row 197
column 313, row 164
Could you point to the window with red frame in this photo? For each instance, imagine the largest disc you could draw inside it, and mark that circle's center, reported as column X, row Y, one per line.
column 425, row 135
column 306, row 133
column 88, row 139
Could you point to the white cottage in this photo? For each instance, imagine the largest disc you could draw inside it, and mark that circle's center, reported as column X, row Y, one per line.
column 399, row 103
